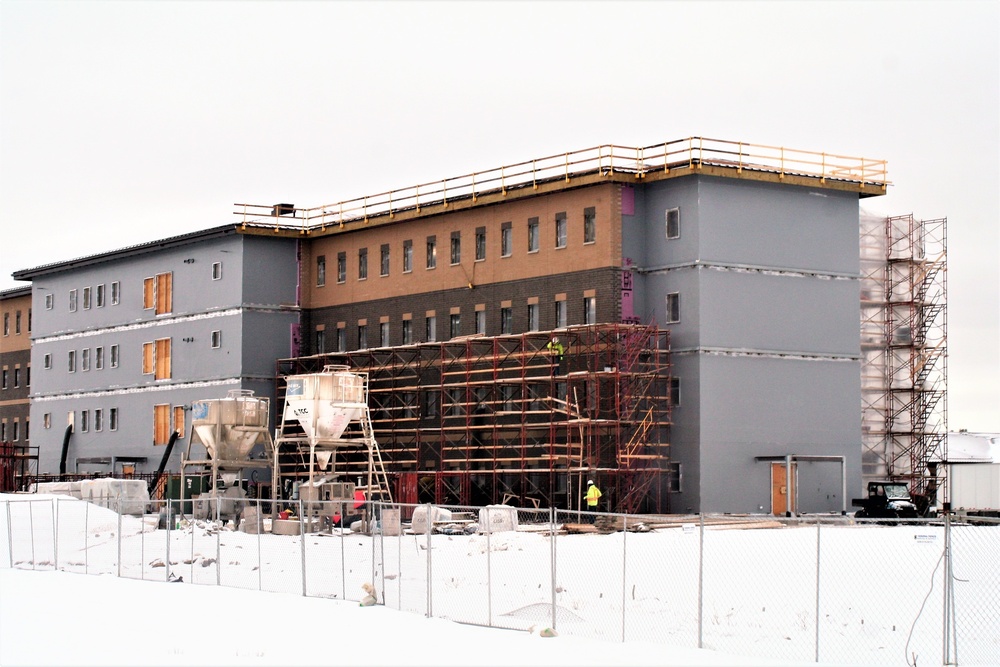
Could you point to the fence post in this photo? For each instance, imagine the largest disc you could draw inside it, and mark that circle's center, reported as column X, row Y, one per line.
column 947, row 591
column 31, row 521
column 430, row 570
column 624, row 568
column 218, row 548
column 485, row 512
column 55, row 532
column 343, row 556
column 86, row 538
column 10, row 538
column 701, row 578
column 170, row 527
column 552, row 551
column 260, row 529
column 302, row 543
column 119, row 504
column 818, row 561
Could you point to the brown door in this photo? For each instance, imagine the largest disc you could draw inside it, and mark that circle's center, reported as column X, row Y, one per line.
column 782, row 498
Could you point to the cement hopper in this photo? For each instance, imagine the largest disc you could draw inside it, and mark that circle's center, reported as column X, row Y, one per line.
column 324, row 404
column 230, row 427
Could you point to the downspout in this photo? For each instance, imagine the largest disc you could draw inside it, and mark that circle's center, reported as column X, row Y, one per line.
column 163, row 462
column 65, row 447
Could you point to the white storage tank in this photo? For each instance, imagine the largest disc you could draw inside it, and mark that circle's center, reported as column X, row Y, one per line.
column 230, row 427
column 325, row 403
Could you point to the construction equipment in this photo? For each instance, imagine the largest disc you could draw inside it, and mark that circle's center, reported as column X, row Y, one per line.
column 886, row 500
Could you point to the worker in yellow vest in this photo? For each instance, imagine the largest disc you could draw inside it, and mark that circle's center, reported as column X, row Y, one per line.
column 593, row 495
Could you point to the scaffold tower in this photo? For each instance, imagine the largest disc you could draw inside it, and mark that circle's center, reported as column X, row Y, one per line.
column 904, row 352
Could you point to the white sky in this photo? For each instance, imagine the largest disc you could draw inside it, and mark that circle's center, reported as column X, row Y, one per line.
column 122, row 123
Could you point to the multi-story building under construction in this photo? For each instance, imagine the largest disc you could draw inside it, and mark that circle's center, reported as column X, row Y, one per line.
column 745, row 258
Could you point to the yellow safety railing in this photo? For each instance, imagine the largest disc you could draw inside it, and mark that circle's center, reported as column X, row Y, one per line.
column 691, row 153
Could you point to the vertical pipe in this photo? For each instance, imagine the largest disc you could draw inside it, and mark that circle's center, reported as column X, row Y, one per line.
column 120, row 536
column 302, row 540
column 818, row 554
column 552, row 550
column 624, row 568
column 701, row 579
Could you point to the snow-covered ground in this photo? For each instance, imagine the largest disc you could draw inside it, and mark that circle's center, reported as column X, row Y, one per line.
column 877, row 594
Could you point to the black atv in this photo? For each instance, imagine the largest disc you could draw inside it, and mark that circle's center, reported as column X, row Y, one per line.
column 886, row 500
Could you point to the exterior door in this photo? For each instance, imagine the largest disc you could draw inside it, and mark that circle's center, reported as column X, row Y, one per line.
column 782, row 498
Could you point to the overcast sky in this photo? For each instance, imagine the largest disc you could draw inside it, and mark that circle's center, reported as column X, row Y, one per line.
column 126, row 122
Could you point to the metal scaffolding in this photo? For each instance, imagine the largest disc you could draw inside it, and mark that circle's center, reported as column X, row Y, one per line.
column 477, row 420
column 904, row 348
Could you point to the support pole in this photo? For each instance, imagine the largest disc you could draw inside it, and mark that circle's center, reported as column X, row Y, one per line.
column 788, row 485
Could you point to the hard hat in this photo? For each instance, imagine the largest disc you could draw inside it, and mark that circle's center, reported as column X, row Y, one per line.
column 555, row 339
column 590, row 481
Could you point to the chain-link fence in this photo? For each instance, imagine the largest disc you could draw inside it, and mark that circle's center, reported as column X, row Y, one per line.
column 815, row 589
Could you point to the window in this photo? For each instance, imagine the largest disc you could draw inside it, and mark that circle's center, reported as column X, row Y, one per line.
column 320, row 270
column 115, row 293
column 673, row 307
column 383, row 266
column 506, row 321
column 3, row 381
column 456, row 248
column 99, row 358
column 320, row 341
column 86, row 298
column 17, row 376
column 161, row 424
column 157, row 293
column 590, row 310
column 532, row 317
column 15, row 433
column 216, row 270
column 49, row 301
column 98, row 420
column 27, row 423
column 156, row 358
column 84, row 420
column 675, row 477
column 481, row 322
column 532, row 234
column 432, row 399
column 114, row 356
column 363, row 264
column 72, row 361
column 6, row 324
column 407, row 256
column 179, row 426
column 341, row 339
column 216, row 339
column 480, row 244
column 362, row 336
column 383, row 334
column 47, row 361
column 560, row 314
column 560, row 230
column 673, row 223
column 113, row 419
column 47, row 420
column 27, row 375
column 407, row 332
column 454, row 325
column 85, row 359
column 506, row 239
column 29, row 320
column 341, row 267
column 675, row 392
column 72, row 301
column 431, row 252
column 17, row 323
column 100, row 296
column 589, row 225
column 431, row 328
column 3, row 431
